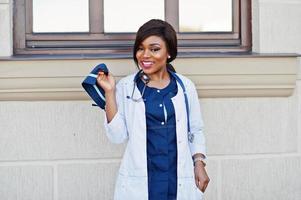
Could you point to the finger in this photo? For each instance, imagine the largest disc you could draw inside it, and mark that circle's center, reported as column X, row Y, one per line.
column 100, row 76
column 199, row 185
column 110, row 75
column 204, row 187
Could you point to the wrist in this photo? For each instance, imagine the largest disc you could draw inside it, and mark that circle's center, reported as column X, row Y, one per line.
column 110, row 93
column 199, row 161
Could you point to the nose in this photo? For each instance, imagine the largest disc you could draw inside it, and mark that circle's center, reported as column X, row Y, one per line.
column 146, row 53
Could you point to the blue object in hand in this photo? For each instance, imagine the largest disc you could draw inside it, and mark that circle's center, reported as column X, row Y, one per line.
column 92, row 88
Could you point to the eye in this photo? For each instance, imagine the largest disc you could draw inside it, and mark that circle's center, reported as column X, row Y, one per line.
column 140, row 49
column 155, row 49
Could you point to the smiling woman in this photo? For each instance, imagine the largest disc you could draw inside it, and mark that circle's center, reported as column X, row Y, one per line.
column 162, row 122
column 151, row 54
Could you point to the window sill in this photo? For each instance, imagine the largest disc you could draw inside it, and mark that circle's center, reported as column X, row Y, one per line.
column 223, row 75
column 28, row 57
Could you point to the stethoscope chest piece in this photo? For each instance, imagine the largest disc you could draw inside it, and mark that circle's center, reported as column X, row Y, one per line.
column 146, row 80
column 144, row 77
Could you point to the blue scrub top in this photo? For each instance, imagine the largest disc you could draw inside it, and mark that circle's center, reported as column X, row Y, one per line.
column 161, row 140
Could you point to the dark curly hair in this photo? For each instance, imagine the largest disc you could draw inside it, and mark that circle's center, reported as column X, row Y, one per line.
column 162, row 29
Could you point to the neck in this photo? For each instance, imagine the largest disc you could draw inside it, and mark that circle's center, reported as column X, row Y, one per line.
column 159, row 76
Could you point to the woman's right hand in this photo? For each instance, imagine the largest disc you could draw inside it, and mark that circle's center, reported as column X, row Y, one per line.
column 106, row 82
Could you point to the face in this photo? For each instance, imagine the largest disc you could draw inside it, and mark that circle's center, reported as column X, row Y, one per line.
column 152, row 55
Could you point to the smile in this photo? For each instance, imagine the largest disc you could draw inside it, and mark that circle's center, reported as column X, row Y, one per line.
column 147, row 63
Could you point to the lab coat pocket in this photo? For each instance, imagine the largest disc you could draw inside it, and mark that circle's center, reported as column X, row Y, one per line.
column 131, row 187
column 198, row 194
column 136, row 189
column 187, row 190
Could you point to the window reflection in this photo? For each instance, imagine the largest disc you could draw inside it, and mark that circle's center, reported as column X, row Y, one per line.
column 60, row 15
column 205, row 15
column 128, row 16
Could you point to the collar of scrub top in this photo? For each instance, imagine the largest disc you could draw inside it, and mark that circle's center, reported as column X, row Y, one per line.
column 178, row 79
column 91, row 87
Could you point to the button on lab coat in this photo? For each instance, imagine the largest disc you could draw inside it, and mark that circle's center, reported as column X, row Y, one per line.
column 129, row 124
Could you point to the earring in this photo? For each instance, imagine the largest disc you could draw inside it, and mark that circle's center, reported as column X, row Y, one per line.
column 168, row 56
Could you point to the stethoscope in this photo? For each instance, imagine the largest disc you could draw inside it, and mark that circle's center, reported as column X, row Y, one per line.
column 146, row 80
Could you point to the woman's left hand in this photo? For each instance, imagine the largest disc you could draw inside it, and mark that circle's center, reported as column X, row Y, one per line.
column 201, row 177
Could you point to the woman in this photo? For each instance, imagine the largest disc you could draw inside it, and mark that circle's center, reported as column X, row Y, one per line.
column 164, row 157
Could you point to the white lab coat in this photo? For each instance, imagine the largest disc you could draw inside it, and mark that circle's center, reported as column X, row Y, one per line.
column 129, row 124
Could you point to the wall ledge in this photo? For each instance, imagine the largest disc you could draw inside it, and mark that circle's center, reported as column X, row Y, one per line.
column 27, row 80
column 32, row 57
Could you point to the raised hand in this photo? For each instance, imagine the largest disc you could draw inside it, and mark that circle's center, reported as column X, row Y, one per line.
column 106, row 82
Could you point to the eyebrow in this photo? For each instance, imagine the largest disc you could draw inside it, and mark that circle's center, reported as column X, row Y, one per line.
column 153, row 44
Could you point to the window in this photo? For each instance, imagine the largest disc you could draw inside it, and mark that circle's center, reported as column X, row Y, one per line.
column 60, row 16
column 107, row 27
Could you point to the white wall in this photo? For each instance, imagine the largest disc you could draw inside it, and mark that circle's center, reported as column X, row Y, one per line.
column 277, row 26
column 58, row 150
column 6, row 43
column 254, row 143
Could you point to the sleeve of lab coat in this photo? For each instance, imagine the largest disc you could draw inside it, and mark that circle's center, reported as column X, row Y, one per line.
column 116, row 129
column 196, row 122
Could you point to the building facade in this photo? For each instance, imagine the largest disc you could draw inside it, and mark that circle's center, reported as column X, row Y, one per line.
column 53, row 145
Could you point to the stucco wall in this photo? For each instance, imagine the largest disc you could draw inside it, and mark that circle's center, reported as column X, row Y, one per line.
column 58, row 150
column 6, row 43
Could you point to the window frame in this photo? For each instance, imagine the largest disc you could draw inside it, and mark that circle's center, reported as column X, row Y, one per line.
column 120, row 44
